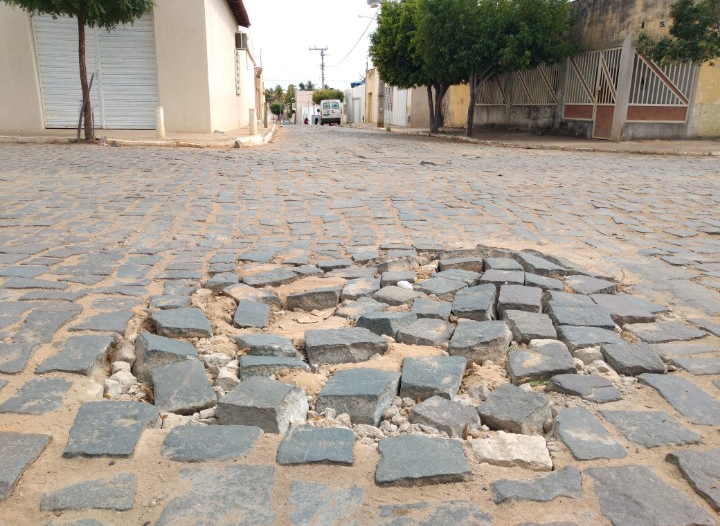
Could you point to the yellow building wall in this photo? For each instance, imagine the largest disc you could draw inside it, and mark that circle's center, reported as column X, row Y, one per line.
column 706, row 122
column 456, row 106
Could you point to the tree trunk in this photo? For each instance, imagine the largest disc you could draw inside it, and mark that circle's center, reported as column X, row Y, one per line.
column 471, row 105
column 87, row 109
column 433, row 128
column 440, row 90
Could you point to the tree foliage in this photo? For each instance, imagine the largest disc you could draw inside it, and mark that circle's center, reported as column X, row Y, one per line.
column 325, row 94
column 306, row 86
column 106, row 14
column 276, row 108
column 694, row 34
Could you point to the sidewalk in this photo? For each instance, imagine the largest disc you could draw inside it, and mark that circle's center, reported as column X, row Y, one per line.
column 230, row 139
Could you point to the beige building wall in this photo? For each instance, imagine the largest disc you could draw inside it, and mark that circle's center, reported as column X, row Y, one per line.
column 456, row 103
column 19, row 82
column 419, row 111
column 705, row 112
column 372, row 96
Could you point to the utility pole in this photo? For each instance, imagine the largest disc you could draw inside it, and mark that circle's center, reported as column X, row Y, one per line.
column 322, row 51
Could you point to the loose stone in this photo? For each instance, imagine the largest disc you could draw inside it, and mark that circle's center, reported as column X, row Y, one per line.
column 354, row 344
column 445, row 415
column 581, row 337
column 251, row 314
column 425, row 331
column 632, row 358
column 540, row 361
column 354, row 310
column 589, row 285
column 316, row 299
column 427, row 308
column 580, row 315
column 241, row 292
column 153, row 351
column 512, row 409
column 479, row 341
column 425, row 377
column 266, row 345
column 592, row 388
column 271, row 278
column 476, row 303
column 269, row 365
column 473, row 264
column 387, row 323
column 625, row 309
column 510, row 450
column 526, row 326
column 359, row 288
column 182, row 323
column 182, row 387
column 394, row 295
column 519, row 297
column 316, row 445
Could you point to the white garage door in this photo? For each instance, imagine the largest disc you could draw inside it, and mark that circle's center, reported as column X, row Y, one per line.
column 124, row 93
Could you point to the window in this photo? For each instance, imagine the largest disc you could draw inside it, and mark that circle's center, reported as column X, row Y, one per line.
column 336, row 105
column 237, row 73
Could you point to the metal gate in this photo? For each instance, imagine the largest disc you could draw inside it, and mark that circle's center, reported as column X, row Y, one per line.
column 396, row 106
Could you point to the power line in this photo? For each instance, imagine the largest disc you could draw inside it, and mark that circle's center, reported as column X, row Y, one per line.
column 356, row 43
column 322, row 51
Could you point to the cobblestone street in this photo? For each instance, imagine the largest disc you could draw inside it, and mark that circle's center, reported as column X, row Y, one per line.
column 100, row 247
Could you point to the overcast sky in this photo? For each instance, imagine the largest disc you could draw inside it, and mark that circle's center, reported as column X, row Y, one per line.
column 285, row 29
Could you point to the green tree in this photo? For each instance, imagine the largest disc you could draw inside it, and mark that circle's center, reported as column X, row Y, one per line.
column 694, row 34
column 92, row 13
column 290, row 98
column 324, row 94
column 276, row 108
column 309, row 85
column 278, row 93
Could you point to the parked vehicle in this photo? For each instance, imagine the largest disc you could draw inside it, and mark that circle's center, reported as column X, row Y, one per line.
column 331, row 111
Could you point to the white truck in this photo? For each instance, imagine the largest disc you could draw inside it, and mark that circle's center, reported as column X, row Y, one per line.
column 330, row 111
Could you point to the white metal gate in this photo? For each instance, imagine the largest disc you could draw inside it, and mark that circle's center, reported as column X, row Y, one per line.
column 396, row 111
column 124, row 93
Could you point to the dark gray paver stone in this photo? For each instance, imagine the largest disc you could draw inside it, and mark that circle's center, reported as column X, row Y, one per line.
column 307, row 270
column 271, row 278
column 179, row 287
column 545, row 283
column 37, row 397
column 257, row 256
column 624, row 308
column 170, row 302
column 107, row 322
column 251, row 314
column 474, row 264
column 153, row 351
column 3, row 383
column 519, row 297
column 541, row 266
column 585, row 436
column 540, row 361
column 650, row 428
column 352, row 272
column 221, row 281
column 427, row 308
column 331, row 264
column 526, row 326
column 394, row 295
column 501, row 264
column 316, row 445
column 429, row 376
column 564, row 482
column 32, row 283
column 364, row 394
column 687, row 399
column 580, row 315
column 14, row 357
column 566, row 298
column 17, row 452
column 42, row 323
column 209, row 503
column 242, row 292
column 353, row 344
column 23, row 271
column 701, row 469
column 354, row 310
column 117, row 493
column 664, row 331
column 262, row 402
column 359, row 288
column 425, row 331
column 479, row 341
column 314, row 503
column 589, row 285
column 503, row 277
column 269, row 365
column 365, row 256
column 180, row 274
column 593, row 388
column 632, row 358
column 182, row 387
column 581, row 337
column 468, row 277
column 206, row 443
column 699, row 365
column 79, row 354
column 713, row 327
column 477, row 303
column 512, row 409
column 79, row 522
column 266, row 345
column 182, row 323
column 635, row 496
column 388, row 323
column 443, row 461
column 316, row 299
column 444, row 415
column 392, row 278
column 670, row 351
column 116, row 304
column 449, row 513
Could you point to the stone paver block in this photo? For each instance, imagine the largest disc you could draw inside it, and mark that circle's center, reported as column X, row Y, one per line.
column 430, row 514
column 444, row 415
column 79, row 522
column 359, row 288
column 589, row 285
column 540, row 361
column 207, row 443
column 182, row 323
column 269, row 365
column 266, row 345
column 687, row 399
column 477, row 303
column 701, row 469
column 209, row 503
column 664, row 331
column 580, row 315
column 585, row 436
column 14, row 357
column 565, row 298
column 443, row 461
column 511, row 450
column 632, row 358
column 427, row 308
column 672, row 350
column 153, row 351
column 394, row 295
column 479, row 341
column 17, row 452
column 650, row 428
column 331, row 264
column 545, row 283
column 170, row 302
column 116, row 494
column 221, row 281
column 387, row 323
column 251, row 314
column 242, row 292
column 316, row 299
column 425, row 331
column 271, row 278
column 699, row 365
column 519, row 297
column 510, row 408
column 37, row 397
column 314, row 503
column 474, row 264
column 316, row 445
column 442, row 288
column 635, row 496
column 468, row 277
column 107, row 322
column 182, row 387
column 564, row 482
column 541, row 266
column 594, row 388
column 526, row 326
column 79, row 354
column 364, row 394
column 257, row 256
column 354, row 344
column 625, row 309
column 265, row 403
column 392, row 278
column 582, row 337
column 425, row 377
column 354, row 310
column 109, row 428
column 501, row 264
column 503, row 277
column 42, row 323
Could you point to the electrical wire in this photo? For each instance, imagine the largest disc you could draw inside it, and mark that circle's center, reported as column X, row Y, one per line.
column 356, row 43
